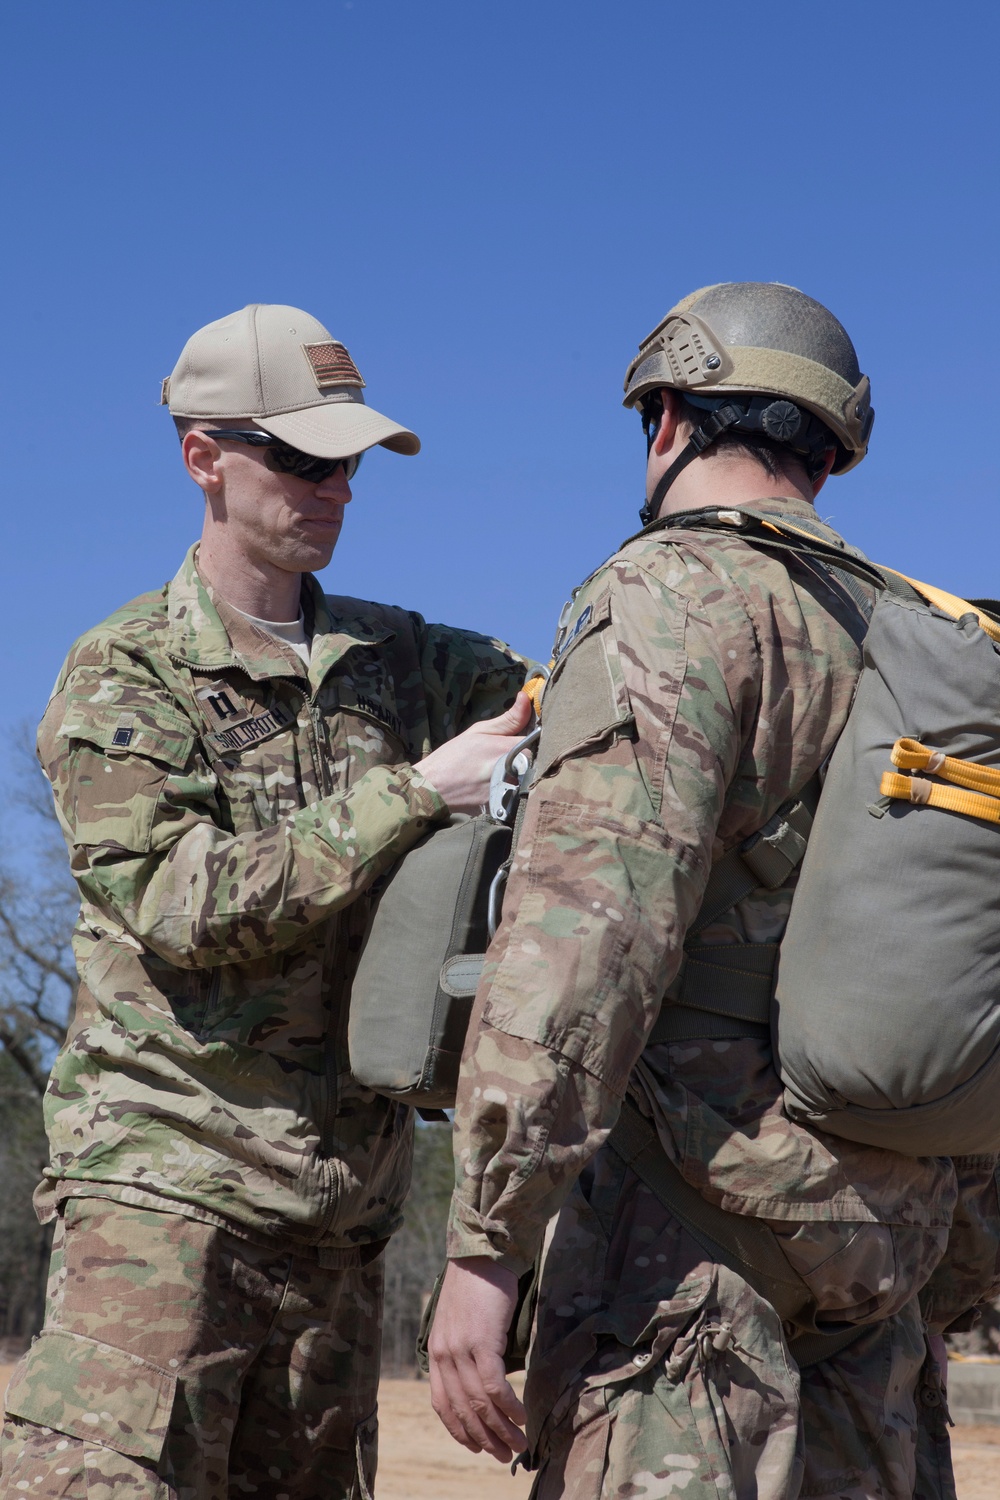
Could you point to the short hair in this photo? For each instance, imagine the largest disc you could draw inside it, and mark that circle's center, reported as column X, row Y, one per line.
column 185, row 425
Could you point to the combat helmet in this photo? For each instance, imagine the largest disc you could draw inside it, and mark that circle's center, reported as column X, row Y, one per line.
column 760, row 358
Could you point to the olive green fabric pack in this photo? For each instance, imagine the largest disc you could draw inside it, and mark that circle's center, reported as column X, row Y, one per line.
column 421, row 964
column 887, row 1009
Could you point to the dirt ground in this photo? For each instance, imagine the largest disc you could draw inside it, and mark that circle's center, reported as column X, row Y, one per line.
column 419, row 1461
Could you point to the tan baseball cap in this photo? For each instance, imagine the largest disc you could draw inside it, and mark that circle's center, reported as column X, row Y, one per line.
column 279, row 366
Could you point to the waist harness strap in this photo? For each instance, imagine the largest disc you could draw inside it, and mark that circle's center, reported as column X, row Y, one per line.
column 747, row 1246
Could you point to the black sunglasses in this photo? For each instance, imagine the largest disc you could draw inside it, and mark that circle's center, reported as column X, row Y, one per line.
column 282, row 458
column 651, row 412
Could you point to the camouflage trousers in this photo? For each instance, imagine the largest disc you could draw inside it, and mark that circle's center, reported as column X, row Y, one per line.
column 178, row 1362
column 969, row 1273
column 657, row 1373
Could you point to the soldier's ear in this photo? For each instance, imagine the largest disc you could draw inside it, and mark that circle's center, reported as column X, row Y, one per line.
column 667, row 429
column 824, row 473
column 202, row 456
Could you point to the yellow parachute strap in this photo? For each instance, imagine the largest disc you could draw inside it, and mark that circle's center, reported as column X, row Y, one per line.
column 927, row 794
column 949, row 604
column 910, row 755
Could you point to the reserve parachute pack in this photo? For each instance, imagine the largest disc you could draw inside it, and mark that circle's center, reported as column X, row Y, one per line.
column 432, row 920
column 885, row 1015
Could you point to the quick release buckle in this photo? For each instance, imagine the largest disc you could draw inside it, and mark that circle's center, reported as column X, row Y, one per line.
column 510, row 774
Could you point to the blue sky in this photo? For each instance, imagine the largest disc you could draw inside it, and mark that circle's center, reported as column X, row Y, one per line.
column 490, row 205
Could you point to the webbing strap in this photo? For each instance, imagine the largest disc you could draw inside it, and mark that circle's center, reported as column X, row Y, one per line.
column 862, row 601
column 728, row 979
column 766, row 858
column 780, row 534
column 723, row 990
column 911, row 755
column 747, row 1246
column 681, row 1023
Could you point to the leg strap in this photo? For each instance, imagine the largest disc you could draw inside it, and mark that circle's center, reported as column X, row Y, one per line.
column 747, row 1246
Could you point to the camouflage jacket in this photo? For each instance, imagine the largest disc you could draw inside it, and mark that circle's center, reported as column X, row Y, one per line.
column 224, row 816
column 701, row 682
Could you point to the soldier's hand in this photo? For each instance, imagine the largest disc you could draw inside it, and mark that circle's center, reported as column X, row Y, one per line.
column 469, row 1387
column 460, row 770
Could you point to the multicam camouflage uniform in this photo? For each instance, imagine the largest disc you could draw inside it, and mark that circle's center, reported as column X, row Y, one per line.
column 700, row 683
column 224, row 1186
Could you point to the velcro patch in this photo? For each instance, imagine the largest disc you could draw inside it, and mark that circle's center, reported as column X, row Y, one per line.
column 584, row 698
column 379, row 712
column 566, row 637
column 332, row 365
column 252, row 731
column 223, row 702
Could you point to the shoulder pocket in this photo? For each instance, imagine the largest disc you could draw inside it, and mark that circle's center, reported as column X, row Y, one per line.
column 94, row 1392
column 107, row 765
column 586, row 696
column 164, row 737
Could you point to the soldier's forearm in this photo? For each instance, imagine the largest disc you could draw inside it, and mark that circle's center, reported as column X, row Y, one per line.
column 216, row 898
column 527, row 1123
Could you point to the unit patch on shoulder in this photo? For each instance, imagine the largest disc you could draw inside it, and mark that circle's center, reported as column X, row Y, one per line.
column 568, row 635
column 332, row 365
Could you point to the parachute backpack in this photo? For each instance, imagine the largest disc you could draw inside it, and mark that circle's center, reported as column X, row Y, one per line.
column 886, row 1012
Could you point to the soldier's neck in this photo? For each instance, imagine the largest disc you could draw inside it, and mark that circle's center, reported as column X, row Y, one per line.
column 721, row 479
column 252, row 585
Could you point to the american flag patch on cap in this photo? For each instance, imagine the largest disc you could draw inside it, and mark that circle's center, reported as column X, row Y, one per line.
column 332, row 365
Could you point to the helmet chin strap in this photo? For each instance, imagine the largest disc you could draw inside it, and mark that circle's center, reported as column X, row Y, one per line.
column 714, row 425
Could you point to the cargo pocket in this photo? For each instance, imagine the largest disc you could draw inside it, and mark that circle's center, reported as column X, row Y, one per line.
column 629, row 1408
column 94, row 1392
column 860, row 1272
column 366, row 1456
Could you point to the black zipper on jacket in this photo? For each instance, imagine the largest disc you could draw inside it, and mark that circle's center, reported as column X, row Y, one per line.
column 321, row 753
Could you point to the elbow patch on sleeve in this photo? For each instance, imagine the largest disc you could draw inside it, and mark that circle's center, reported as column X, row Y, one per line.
column 586, row 697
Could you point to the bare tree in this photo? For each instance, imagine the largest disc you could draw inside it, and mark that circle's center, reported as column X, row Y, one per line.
column 416, row 1252
column 38, row 905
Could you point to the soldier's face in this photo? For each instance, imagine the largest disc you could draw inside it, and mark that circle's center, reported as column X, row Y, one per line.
column 277, row 518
